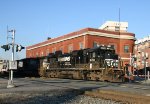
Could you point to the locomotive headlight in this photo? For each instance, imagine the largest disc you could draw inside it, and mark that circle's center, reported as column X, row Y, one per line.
column 114, row 64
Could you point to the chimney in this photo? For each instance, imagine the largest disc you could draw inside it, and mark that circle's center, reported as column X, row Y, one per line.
column 48, row 38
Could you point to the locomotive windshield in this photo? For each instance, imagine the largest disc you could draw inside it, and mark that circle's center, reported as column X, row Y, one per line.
column 111, row 58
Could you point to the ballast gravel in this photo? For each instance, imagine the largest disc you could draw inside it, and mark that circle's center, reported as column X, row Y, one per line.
column 51, row 97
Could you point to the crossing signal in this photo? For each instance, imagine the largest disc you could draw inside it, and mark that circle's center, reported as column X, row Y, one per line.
column 19, row 48
column 6, row 47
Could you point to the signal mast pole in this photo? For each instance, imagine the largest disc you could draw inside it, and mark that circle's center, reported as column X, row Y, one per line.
column 10, row 81
column 13, row 42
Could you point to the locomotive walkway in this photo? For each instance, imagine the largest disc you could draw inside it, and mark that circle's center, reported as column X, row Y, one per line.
column 35, row 85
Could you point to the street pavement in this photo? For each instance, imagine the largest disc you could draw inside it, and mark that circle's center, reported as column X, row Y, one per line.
column 45, row 84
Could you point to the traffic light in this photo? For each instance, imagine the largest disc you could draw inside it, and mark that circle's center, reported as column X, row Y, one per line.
column 19, row 48
column 6, row 47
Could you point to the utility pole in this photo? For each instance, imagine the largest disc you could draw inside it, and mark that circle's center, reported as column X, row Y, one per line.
column 145, row 57
column 10, row 81
column 145, row 66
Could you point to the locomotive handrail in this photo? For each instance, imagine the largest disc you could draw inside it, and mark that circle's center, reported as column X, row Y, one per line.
column 75, row 69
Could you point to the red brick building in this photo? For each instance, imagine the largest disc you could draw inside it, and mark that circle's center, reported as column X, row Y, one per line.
column 122, row 41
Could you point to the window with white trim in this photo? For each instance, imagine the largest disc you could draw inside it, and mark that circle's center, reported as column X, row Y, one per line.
column 61, row 49
column 81, row 45
column 42, row 53
column 47, row 52
column 37, row 54
column 70, row 48
column 126, row 49
column 53, row 50
column 95, row 44
column 117, row 28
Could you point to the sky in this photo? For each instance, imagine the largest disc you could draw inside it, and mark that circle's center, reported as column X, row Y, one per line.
column 35, row 20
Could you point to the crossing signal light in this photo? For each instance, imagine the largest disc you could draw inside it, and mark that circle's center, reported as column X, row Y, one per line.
column 19, row 48
column 6, row 47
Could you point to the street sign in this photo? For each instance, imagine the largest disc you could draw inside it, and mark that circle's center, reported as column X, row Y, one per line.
column 12, row 65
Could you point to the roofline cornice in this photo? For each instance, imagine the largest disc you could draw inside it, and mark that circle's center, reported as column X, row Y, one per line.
column 78, row 34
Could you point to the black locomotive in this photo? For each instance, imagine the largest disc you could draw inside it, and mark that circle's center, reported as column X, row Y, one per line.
column 100, row 63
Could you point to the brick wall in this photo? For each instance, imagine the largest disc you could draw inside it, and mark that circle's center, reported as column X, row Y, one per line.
column 83, row 36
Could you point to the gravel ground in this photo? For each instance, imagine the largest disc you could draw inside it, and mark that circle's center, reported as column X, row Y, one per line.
column 81, row 99
column 51, row 97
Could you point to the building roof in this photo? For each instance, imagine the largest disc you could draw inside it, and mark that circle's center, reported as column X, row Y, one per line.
column 85, row 31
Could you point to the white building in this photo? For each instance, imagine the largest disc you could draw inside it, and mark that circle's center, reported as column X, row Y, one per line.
column 115, row 26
